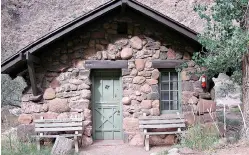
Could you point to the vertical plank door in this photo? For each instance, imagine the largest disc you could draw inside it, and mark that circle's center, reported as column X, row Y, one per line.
column 106, row 99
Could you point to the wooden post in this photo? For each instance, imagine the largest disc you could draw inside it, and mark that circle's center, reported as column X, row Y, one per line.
column 32, row 77
column 30, row 61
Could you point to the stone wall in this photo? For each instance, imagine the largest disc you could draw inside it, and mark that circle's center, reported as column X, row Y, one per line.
column 66, row 86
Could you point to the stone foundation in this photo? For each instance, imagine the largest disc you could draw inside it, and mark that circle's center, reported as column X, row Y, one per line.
column 65, row 83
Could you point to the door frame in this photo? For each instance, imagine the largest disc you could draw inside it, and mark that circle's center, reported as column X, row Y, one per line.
column 120, row 101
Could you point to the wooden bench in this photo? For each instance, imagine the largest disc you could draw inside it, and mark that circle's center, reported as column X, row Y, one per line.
column 49, row 128
column 170, row 121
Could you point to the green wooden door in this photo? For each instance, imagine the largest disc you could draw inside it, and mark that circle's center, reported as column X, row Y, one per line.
column 106, row 109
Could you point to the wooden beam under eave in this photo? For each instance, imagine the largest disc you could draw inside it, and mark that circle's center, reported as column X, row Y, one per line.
column 31, row 71
column 106, row 64
column 167, row 63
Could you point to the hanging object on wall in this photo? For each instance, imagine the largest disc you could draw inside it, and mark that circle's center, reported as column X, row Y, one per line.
column 203, row 81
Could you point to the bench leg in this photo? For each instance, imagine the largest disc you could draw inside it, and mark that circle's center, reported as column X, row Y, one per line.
column 147, row 144
column 143, row 140
column 80, row 140
column 38, row 143
column 144, row 134
column 76, row 145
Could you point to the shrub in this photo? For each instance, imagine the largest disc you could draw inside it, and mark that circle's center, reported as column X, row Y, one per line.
column 198, row 138
column 11, row 146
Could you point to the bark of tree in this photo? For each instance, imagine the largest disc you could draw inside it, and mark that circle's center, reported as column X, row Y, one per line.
column 245, row 86
column 246, row 93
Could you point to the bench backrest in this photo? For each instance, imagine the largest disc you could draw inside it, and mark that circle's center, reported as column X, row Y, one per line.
column 165, row 121
column 50, row 125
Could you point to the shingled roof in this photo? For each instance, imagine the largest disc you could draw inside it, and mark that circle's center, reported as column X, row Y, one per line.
column 37, row 43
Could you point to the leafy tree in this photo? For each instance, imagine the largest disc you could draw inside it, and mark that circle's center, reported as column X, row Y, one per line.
column 224, row 38
column 12, row 90
column 226, row 42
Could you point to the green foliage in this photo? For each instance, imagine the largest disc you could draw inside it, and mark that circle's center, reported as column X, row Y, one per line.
column 198, row 138
column 12, row 90
column 224, row 38
column 11, row 146
column 165, row 152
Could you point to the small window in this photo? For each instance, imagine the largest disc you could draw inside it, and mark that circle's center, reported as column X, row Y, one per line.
column 122, row 28
column 170, row 91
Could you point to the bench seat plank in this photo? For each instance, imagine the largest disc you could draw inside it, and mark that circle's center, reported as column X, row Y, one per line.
column 163, row 133
column 161, row 121
column 59, row 129
column 54, row 136
column 162, row 126
column 163, row 117
column 58, row 120
column 73, row 124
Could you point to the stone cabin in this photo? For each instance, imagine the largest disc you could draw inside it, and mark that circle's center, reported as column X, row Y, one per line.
column 112, row 64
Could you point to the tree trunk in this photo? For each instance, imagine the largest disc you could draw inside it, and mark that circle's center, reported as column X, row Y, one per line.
column 245, row 87
column 246, row 21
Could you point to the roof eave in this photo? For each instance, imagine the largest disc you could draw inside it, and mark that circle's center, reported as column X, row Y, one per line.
column 61, row 31
column 57, row 33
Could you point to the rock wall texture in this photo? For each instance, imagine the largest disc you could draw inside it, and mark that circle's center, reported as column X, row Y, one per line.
column 65, row 83
column 23, row 22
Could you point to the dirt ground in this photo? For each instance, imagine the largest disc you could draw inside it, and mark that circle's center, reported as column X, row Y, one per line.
column 240, row 150
column 119, row 148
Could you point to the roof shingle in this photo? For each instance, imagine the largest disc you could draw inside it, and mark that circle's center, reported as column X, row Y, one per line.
column 25, row 22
